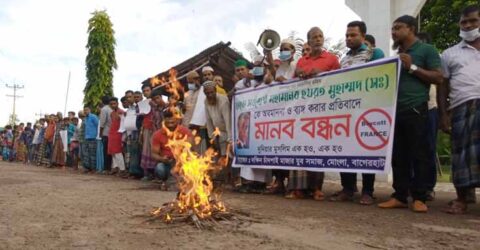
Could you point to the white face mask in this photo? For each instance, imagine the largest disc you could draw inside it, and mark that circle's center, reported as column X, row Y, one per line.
column 471, row 35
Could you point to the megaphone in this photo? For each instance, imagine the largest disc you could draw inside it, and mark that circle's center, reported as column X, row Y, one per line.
column 269, row 40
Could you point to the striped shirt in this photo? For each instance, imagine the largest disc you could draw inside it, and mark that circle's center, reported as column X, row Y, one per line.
column 461, row 65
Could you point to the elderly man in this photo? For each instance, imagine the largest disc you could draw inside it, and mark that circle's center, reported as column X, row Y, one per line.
column 319, row 60
column 359, row 53
column 421, row 67
column 461, row 66
column 217, row 109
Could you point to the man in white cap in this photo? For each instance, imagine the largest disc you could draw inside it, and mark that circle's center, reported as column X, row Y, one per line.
column 286, row 70
column 207, row 73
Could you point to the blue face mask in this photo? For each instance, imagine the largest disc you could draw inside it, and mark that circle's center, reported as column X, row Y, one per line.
column 192, row 86
column 285, row 55
column 257, row 71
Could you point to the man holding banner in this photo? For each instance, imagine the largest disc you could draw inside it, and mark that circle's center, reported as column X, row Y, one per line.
column 318, row 61
column 359, row 53
column 421, row 66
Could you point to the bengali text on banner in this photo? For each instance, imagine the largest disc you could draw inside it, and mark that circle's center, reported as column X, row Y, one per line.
column 339, row 121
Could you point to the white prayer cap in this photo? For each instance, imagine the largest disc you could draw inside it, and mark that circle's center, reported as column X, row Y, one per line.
column 207, row 68
column 207, row 84
column 289, row 41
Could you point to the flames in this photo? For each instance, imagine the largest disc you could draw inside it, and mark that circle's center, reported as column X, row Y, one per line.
column 195, row 199
column 192, row 172
column 172, row 85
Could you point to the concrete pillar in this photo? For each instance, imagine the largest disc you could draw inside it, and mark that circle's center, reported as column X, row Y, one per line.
column 380, row 14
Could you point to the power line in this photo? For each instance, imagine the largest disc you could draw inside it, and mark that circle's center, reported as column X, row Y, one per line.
column 15, row 87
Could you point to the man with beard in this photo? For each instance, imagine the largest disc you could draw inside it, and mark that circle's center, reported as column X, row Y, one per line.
column 207, row 73
column 459, row 108
column 420, row 68
column 217, row 109
column 161, row 153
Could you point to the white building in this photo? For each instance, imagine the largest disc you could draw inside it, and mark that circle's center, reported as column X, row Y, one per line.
column 380, row 14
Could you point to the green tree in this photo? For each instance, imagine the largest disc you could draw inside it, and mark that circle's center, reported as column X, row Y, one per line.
column 440, row 19
column 100, row 61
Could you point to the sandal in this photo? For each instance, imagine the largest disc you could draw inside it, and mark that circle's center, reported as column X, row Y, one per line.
column 456, row 207
column 367, row 200
column 295, row 194
column 275, row 190
column 318, row 195
column 341, row 196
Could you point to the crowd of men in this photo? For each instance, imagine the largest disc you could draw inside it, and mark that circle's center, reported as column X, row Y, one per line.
column 103, row 144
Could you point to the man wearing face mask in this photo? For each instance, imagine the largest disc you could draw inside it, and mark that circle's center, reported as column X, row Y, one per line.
column 193, row 79
column 420, row 68
column 194, row 117
column 286, row 69
column 459, row 108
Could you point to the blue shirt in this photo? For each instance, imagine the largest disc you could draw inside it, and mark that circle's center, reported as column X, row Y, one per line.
column 377, row 54
column 91, row 126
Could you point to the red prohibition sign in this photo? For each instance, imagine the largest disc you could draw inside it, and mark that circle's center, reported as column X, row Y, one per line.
column 384, row 141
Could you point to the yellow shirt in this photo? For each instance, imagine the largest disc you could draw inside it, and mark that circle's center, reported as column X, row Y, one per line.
column 221, row 91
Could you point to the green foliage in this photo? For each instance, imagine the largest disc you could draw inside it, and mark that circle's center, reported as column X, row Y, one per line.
column 440, row 19
column 100, row 60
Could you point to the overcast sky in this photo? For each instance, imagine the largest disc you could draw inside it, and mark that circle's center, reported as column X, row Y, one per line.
column 41, row 41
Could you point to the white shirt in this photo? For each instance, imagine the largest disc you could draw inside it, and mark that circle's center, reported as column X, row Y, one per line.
column 461, row 65
column 242, row 84
column 105, row 120
column 286, row 70
column 36, row 139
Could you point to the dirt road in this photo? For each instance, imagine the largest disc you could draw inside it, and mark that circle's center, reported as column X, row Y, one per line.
column 62, row 209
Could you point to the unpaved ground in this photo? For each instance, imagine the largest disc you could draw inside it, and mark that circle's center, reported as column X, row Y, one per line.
column 61, row 209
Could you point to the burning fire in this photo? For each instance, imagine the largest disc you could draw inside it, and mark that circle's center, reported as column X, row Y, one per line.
column 192, row 172
column 172, row 86
column 195, row 197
